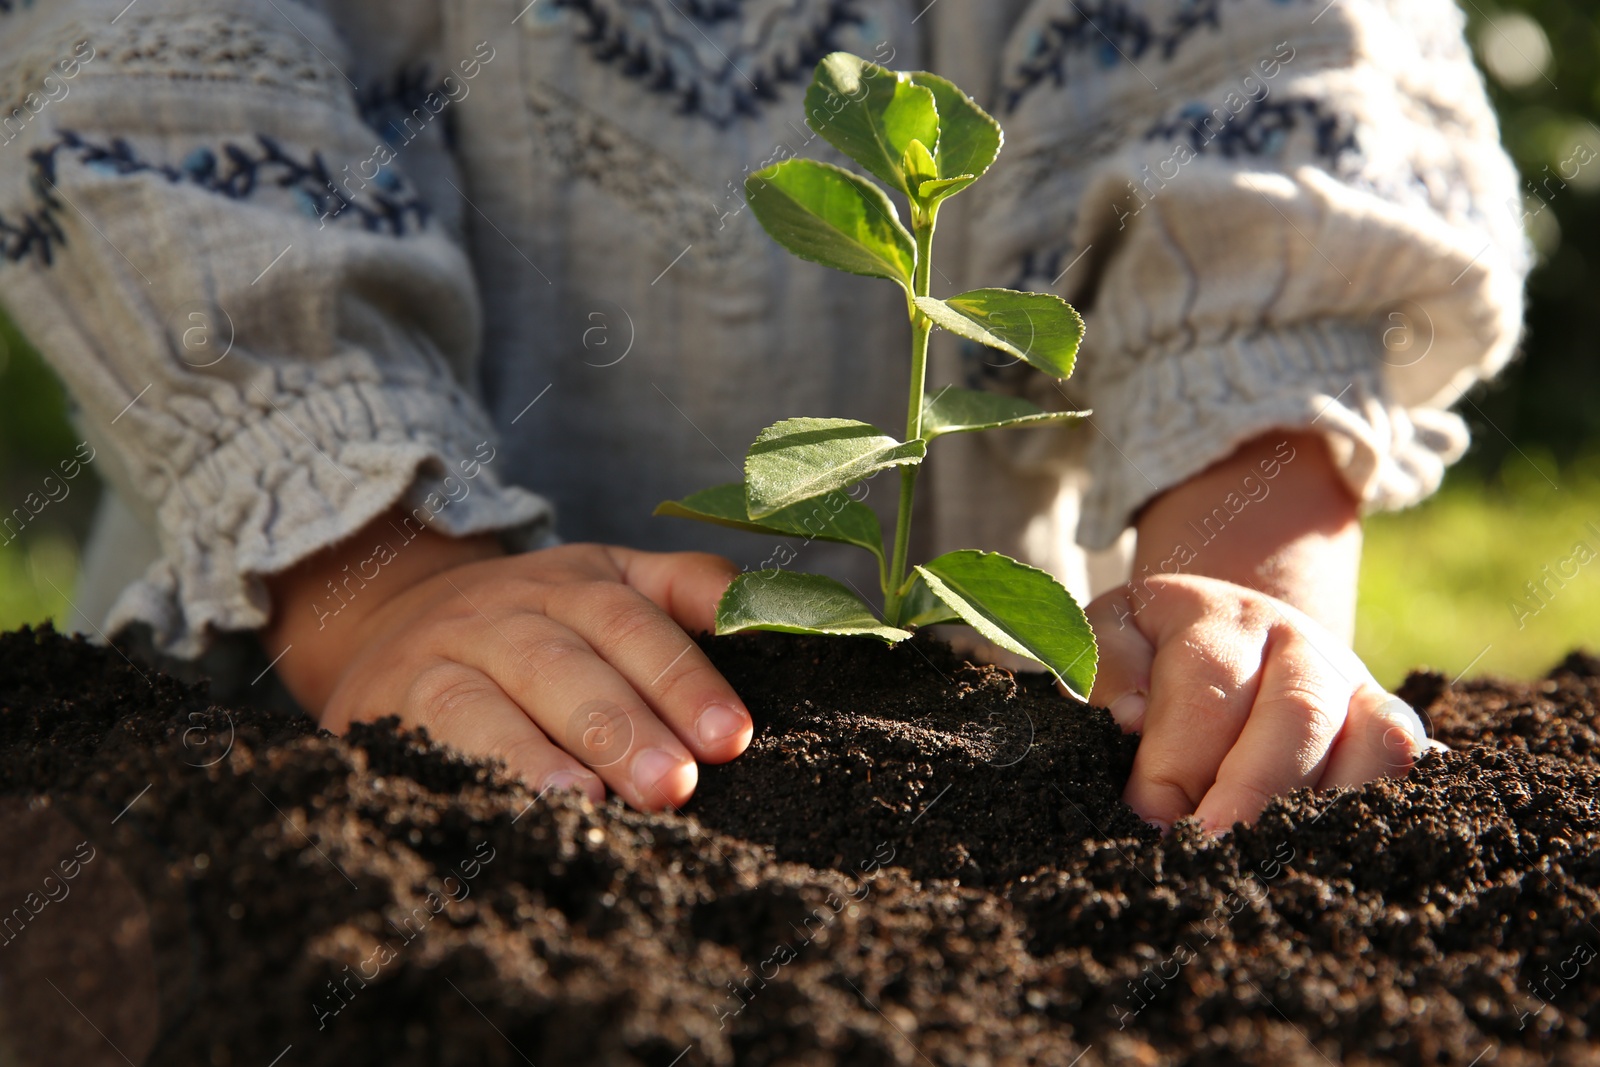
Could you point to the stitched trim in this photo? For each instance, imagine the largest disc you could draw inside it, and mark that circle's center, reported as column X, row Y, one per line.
column 31, row 68
column 577, row 142
column 386, row 205
column 1261, row 129
column 33, row 233
column 1171, row 415
column 385, row 105
column 649, row 41
column 1113, row 32
column 303, row 472
column 214, row 46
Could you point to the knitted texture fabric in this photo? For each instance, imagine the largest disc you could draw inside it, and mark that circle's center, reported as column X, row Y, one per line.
column 299, row 263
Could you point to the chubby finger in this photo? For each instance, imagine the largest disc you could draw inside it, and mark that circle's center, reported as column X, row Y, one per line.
column 686, row 585
column 590, row 710
column 1201, row 691
column 464, row 708
column 1381, row 738
column 661, row 663
column 1298, row 713
column 1122, row 683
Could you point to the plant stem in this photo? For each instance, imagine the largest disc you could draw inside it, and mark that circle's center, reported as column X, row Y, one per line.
column 922, row 228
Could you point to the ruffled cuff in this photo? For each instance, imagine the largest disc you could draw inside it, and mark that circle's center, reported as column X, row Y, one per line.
column 1178, row 414
column 302, row 471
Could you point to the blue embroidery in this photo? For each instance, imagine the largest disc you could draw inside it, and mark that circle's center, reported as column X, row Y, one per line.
column 235, row 172
column 385, row 106
column 1113, row 31
column 32, row 234
column 1259, row 129
column 660, row 44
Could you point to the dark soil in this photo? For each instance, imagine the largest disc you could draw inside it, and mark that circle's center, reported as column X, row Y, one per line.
column 919, row 862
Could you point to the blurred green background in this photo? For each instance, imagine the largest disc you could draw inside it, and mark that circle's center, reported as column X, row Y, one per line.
column 1444, row 585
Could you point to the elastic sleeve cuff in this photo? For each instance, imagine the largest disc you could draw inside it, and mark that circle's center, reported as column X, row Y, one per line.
column 303, row 471
column 1175, row 415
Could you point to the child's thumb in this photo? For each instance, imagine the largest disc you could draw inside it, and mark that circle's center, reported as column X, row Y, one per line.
column 1122, row 682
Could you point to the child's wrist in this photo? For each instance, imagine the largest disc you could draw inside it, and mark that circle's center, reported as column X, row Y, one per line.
column 320, row 606
column 1275, row 516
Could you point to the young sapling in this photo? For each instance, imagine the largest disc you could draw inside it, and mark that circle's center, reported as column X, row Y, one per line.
column 927, row 141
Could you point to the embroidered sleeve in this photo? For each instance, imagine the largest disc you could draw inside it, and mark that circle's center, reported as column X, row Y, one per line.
column 263, row 321
column 1277, row 214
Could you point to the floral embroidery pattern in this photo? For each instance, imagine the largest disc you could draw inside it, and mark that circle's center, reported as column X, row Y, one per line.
column 1105, row 32
column 385, row 204
column 385, row 105
column 722, row 59
column 1260, row 129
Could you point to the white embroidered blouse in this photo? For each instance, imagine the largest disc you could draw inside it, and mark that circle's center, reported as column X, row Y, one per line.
column 297, row 261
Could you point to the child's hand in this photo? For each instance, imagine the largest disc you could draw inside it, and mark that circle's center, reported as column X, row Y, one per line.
column 1239, row 697
column 1242, row 681
column 569, row 664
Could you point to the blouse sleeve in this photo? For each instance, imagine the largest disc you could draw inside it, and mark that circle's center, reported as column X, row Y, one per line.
column 1276, row 215
column 251, row 283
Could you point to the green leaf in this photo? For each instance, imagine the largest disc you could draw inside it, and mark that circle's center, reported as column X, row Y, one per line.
column 799, row 604
column 1037, row 327
column 919, row 165
column 921, row 608
column 1019, row 608
column 828, row 215
column 798, row 459
column 969, row 138
column 871, row 114
column 953, row 410
column 848, row 523
column 937, row 190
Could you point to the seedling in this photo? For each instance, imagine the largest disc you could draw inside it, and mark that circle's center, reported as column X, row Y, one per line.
column 927, row 141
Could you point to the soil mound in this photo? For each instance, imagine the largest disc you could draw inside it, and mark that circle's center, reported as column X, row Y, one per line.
column 919, row 862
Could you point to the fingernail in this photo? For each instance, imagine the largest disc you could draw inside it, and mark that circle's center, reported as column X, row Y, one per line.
column 718, row 723
column 1406, row 716
column 1400, row 749
column 1163, row 828
column 1436, row 746
column 1128, row 710
column 653, row 770
column 566, row 780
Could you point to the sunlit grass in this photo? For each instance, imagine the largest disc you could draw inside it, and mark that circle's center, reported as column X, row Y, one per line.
column 1444, row 585
column 36, row 577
